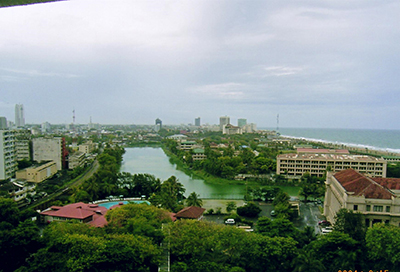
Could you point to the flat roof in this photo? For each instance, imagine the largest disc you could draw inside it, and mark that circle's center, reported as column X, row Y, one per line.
column 343, row 157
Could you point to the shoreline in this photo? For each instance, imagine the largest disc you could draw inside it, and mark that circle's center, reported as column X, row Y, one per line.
column 365, row 149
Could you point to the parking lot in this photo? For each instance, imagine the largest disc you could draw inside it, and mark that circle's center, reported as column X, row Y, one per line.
column 310, row 215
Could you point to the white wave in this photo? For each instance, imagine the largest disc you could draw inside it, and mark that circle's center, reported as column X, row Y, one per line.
column 360, row 146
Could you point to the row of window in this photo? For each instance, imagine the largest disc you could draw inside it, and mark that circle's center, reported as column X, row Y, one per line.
column 375, row 208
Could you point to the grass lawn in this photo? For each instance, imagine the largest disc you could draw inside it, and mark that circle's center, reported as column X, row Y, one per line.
column 215, row 203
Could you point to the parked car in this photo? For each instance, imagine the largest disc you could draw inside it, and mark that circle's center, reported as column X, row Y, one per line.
column 324, row 223
column 273, row 213
column 327, row 230
column 230, row 221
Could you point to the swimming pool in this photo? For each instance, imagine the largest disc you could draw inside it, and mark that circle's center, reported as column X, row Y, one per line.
column 112, row 203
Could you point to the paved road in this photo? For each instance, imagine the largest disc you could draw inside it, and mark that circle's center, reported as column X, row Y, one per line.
column 309, row 216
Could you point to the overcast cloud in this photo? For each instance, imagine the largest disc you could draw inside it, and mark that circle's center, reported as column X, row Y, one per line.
column 315, row 63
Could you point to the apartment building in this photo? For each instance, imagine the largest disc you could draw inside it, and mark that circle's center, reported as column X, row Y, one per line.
column 18, row 190
column 8, row 164
column 295, row 165
column 377, row 198
column 22, row 145
column 48, row 149
column 38, row 173
column 76, row 159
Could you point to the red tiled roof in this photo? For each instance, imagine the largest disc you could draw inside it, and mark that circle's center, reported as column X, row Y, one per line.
column 391, row 183
column 191, row 212
column 354, row 182
column 78, row 210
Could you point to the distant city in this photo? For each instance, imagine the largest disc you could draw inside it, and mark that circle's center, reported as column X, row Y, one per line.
column 225, row 125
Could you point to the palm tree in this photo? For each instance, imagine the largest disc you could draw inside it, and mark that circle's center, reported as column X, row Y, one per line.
column 193, row 200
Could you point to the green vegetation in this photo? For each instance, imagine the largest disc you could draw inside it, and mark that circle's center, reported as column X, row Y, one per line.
column 9, row 3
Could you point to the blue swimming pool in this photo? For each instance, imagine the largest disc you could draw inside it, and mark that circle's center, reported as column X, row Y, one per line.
column 112, row 203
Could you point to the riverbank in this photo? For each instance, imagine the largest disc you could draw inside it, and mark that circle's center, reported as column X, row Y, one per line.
column 201, row 174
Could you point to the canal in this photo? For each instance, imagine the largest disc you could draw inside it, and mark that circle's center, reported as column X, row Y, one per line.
column 153, row 161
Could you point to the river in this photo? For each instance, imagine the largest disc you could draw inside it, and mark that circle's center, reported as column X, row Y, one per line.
column 154, row 161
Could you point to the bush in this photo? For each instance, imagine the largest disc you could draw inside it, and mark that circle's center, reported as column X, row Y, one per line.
column 210, row 211
column 249, row 210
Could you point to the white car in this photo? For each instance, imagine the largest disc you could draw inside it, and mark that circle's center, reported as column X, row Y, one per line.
column 327, row 230
column 230, row 221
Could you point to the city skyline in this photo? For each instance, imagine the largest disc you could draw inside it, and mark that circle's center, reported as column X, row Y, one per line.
column 316, row 64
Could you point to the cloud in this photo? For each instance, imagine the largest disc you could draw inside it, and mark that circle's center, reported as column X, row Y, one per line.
column 230, row 90
column 35, row 73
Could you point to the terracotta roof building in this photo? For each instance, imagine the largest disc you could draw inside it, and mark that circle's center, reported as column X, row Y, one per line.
column 191, row 212
column 377, row 198
column 82, row 212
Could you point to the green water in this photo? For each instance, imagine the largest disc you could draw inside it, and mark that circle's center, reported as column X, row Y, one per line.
column 152, row 160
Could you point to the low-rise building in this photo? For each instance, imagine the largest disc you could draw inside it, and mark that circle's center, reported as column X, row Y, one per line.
column 92, row 214
column 378, row 199
column 38, row 173
column 76, row 159
column 295, row 165
column 231, row 129
column 186, row 145
column 199, row 154
column 18, row 189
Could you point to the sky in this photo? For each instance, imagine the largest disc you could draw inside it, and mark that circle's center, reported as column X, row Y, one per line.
column 318, row 64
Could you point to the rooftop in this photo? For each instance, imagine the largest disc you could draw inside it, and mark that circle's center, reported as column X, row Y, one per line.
column 360, row 185
column 191, row 212
column 343, row 157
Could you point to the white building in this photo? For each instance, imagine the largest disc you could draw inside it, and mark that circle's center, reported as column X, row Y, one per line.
column 223, row 121
column 48, row 149
column 294, row 165
column 8, row 163
column 378, row 199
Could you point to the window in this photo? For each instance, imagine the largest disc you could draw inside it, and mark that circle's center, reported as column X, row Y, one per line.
column 387, row 208
column 355, row 207
column 378, row 208
column 368, row 208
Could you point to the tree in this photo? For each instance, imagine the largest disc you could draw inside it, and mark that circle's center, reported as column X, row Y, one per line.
column 351, row 223
column 336, row 250
column 306, row 261
column 193, row 200
column 383, row 246
column 250, row 210
column 230, row 206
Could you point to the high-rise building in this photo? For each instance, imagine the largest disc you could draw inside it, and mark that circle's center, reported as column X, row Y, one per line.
column 223, row 121
column 19, row 115
column 23, row 145
column 8, row 164
column 242, row 122
column 197, row 121
column 3, row 123
column 48, row 149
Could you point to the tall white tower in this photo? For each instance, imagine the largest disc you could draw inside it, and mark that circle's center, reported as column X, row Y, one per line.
column 19, row 115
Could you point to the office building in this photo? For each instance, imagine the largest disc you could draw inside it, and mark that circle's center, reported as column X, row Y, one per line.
column 295, row 165
column 242, row 122
column 19, row 115
column 378, row 199
column 8, row 164
column 37, row 173
column 223, row 121
column 197, row 121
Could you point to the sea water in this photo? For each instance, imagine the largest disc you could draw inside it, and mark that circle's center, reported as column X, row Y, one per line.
column 386, row 140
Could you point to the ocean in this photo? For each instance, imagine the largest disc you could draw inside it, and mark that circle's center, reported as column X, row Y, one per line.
column 385, row 140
